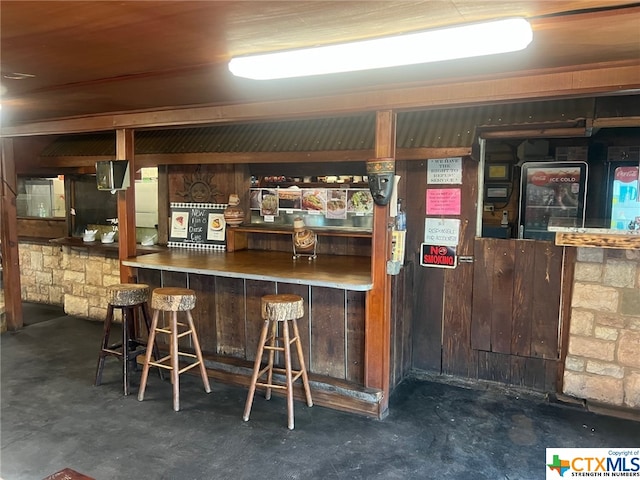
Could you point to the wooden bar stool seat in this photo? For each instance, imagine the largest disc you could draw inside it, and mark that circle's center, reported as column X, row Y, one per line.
column 279, row 310
column 174, row 300
column 130, row 298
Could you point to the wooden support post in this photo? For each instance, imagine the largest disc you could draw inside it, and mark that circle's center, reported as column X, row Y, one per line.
column 126, row 205
column 378, row 304
column 9, row 236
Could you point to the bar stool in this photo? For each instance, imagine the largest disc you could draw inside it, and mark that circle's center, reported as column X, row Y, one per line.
column 128, row 297
column 174, row 300
column 279, row 310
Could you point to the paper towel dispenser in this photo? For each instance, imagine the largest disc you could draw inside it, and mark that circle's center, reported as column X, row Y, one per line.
column 112, row 175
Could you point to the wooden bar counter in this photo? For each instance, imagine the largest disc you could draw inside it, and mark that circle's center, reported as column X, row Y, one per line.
column 229, row 287
column 334, row 271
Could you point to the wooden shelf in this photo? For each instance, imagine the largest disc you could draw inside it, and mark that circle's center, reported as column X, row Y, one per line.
column 313, row 185
column 237, row 236
column 107, row 248
column 602, row 240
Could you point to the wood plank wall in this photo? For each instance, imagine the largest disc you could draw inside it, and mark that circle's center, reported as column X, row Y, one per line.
column 516, row 311
column 227, row 318
column 494, row 319
column 327, row 245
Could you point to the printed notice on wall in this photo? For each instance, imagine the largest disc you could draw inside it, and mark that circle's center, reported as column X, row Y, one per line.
column 197, row 225
column 439, row 256
column 443, row 201
column 442, row 171
column 442, row 231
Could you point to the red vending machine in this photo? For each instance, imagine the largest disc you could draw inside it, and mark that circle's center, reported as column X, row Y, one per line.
column 551, row 192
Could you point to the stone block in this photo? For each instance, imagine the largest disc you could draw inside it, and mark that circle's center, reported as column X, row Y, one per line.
column 97, row 313
column 632, row 255
column 595, row 297
column 606, row 369
column 27, row 277
column 94, row 276
column 575, row 364
column 39, row 297
column 632, row 390
column 594, row 387
column 633, row 323
column 629, row 349
column 619, row 273
column 44, row 278
column 24, row 252
column 75, row 305
column 588, row 272
column 50, row 262
column 56, row 295
column 630, row 301
column 36, row 261
column 592, row 348
column 76, row 264
column 610, row 320
column 58, row 277
column 111, row 280
column 73, row 276
column 77, row 289
column 581, row 322
column 594, row 255
column 605, row 333
column 97, row 294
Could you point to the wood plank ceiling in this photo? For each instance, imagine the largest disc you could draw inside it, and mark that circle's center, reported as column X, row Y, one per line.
column 95, row 57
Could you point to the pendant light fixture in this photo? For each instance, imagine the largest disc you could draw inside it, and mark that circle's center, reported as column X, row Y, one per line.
column 464, row 41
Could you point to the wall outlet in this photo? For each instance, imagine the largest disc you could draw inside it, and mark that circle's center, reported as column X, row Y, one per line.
column 488, row 207
column 505, row 218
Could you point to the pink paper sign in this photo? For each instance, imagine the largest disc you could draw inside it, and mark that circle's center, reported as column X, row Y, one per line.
column 443, row 201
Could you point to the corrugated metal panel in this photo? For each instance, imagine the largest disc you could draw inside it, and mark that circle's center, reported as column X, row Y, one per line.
column 456, row 127
column 92, row 144
column 452, row 127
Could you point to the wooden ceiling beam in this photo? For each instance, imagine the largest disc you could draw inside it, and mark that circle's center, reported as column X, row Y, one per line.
column 601, row 79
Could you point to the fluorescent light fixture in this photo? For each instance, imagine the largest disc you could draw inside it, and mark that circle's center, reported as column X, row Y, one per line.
column 473, row 40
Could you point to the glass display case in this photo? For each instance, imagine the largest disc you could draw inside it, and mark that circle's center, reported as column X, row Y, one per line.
column 40, row 197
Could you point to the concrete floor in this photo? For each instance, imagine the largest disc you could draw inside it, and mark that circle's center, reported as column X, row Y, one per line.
column 52, row 418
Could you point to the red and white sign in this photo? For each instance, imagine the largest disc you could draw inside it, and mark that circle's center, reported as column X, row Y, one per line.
column 626, row 174
column 440, row 256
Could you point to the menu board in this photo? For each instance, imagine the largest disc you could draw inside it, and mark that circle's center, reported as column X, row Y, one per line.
column 197, row 225
column 330, row 202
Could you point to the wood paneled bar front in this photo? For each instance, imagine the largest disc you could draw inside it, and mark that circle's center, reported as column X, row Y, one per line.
column 229, row 286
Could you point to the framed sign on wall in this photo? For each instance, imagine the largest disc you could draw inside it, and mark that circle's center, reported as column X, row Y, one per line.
column 198, row 226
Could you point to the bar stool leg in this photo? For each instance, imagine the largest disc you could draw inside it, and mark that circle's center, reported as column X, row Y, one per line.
column 272, row 352
column 145, row 368
column 175, row 374
column 126, row 338
column 156, row 350
column 256, row 371
column 287, row 367
column 196, row 344
column 303, row 367
column 105, row 344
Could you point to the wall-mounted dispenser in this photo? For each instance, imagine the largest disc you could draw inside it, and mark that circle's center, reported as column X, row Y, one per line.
column 112, row 175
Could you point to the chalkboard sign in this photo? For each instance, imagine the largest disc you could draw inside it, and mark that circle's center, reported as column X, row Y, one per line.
column 198, row 226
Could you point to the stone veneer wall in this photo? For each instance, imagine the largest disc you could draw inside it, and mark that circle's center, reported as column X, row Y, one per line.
column 73, row 278
column 603, row 361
